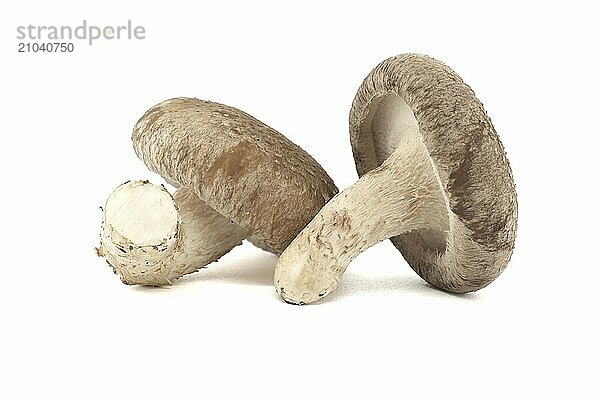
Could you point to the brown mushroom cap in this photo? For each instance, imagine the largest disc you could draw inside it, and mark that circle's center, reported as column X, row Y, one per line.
column 242, row 168
column 473, row 171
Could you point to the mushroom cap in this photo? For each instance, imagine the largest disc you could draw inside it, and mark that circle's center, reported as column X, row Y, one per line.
column 467, row 155
column 242, row 168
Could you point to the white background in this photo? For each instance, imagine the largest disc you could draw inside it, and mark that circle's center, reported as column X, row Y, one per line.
column 70, row 329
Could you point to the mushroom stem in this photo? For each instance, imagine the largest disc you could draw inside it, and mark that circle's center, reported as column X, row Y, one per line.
column 152, row 238
column 400, row 196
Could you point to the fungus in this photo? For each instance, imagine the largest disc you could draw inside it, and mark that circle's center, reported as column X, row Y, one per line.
column 236, row 177
column 434, row 179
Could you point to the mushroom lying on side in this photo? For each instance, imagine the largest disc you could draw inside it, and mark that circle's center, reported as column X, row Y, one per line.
column 237, row 178
column 435, row 179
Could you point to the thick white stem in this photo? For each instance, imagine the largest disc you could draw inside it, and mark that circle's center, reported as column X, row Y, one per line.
column 150, row 238
column 400, row 196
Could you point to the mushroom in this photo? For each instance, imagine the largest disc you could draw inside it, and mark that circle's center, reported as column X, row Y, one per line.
column 237, row 178
column 434, row 179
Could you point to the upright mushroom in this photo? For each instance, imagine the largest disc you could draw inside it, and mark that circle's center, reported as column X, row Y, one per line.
column 236, row 177
column 434, row 179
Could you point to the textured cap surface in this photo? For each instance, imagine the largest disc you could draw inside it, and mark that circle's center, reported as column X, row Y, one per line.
column 470, row 162
column 239, row 166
